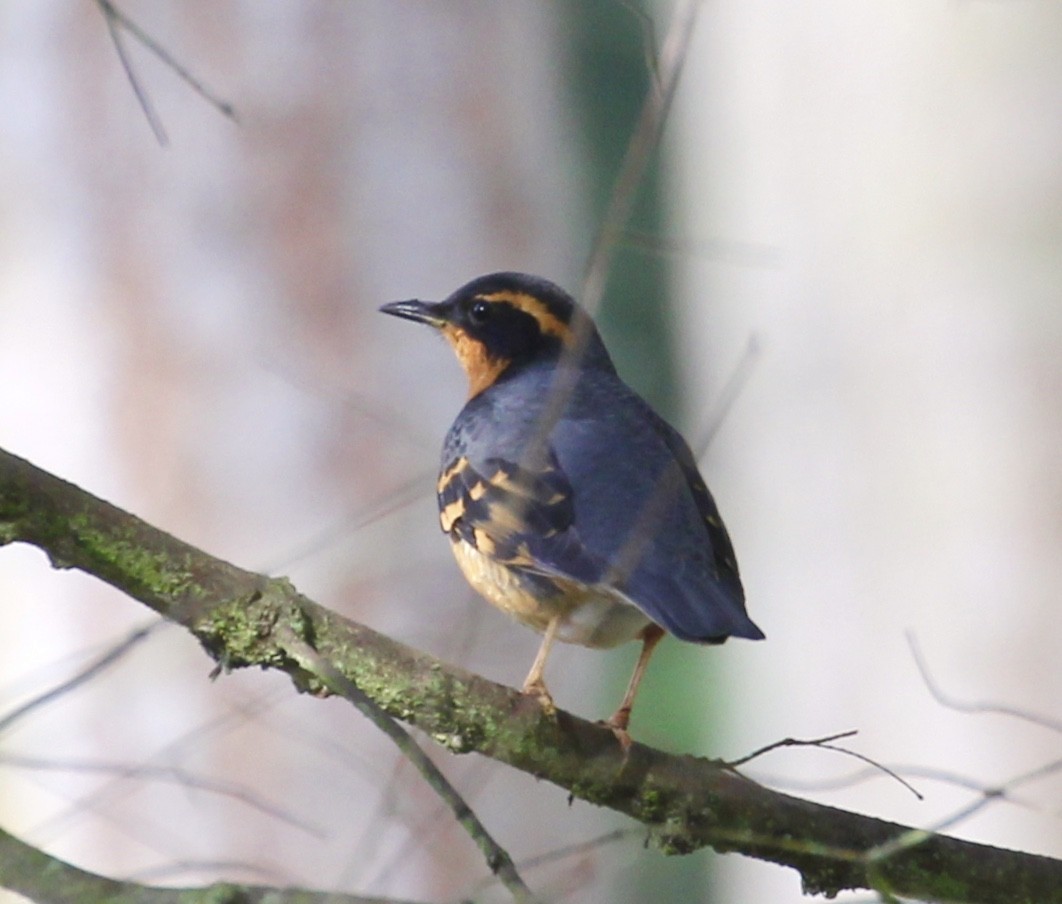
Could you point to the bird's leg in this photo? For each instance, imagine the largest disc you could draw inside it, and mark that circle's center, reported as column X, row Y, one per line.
column 651, row 636
column 534, row 684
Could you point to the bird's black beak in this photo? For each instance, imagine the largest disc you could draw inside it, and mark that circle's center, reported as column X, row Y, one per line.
column 429, row 312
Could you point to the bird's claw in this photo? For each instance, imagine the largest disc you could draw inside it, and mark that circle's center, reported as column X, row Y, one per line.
column 545, row 700
column 617, row 724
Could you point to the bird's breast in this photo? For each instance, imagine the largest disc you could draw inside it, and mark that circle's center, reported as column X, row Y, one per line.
column 593, row 616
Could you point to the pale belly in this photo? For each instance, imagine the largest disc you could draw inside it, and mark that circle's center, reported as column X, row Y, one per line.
column 594, row 616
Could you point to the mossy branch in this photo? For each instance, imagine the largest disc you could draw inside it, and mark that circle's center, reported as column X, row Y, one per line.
column 687, row 803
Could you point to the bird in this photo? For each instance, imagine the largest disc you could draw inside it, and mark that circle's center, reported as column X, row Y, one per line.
column 568, row 501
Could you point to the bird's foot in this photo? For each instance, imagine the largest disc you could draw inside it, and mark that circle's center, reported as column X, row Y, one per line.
column 537, row 689
column 617, row 723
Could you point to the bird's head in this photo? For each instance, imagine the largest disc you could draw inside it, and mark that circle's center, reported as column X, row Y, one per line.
column 500, row 322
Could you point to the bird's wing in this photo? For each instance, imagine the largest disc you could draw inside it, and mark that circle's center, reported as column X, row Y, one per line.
column 517, row 515
column 643, row 507
column 722, row 548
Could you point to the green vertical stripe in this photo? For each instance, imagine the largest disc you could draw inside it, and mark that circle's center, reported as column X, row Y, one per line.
column 609, row 79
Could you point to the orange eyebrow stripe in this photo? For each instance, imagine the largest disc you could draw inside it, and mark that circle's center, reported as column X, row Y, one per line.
column 548, row 322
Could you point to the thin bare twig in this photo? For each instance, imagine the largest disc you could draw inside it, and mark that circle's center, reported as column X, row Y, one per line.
column 100, row 664
column 965, row 706
column 393, row 501
column 498, row 859
column 943, row 776
column 917, row 836
column 562, row 853
column 117, row 21
column 733, row 387
column 110, row 16
column 170, row 774
column 825, row 744
column 643, row 143
column 115, row 789
column 733, row 251
column 789, row 742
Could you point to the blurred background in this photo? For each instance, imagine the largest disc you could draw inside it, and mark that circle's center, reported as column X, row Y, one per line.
column 851, row 230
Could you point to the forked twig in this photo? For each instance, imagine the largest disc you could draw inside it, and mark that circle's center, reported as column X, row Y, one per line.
column 825, row 744
column 117, row 22
column 498, row 859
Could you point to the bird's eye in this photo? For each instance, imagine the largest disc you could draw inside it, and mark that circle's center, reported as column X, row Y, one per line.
column 480, row 312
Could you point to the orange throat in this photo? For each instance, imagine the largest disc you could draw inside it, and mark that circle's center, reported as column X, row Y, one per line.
column 481, row 368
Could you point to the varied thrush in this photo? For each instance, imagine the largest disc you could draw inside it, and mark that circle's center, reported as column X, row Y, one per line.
column 569, row 502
